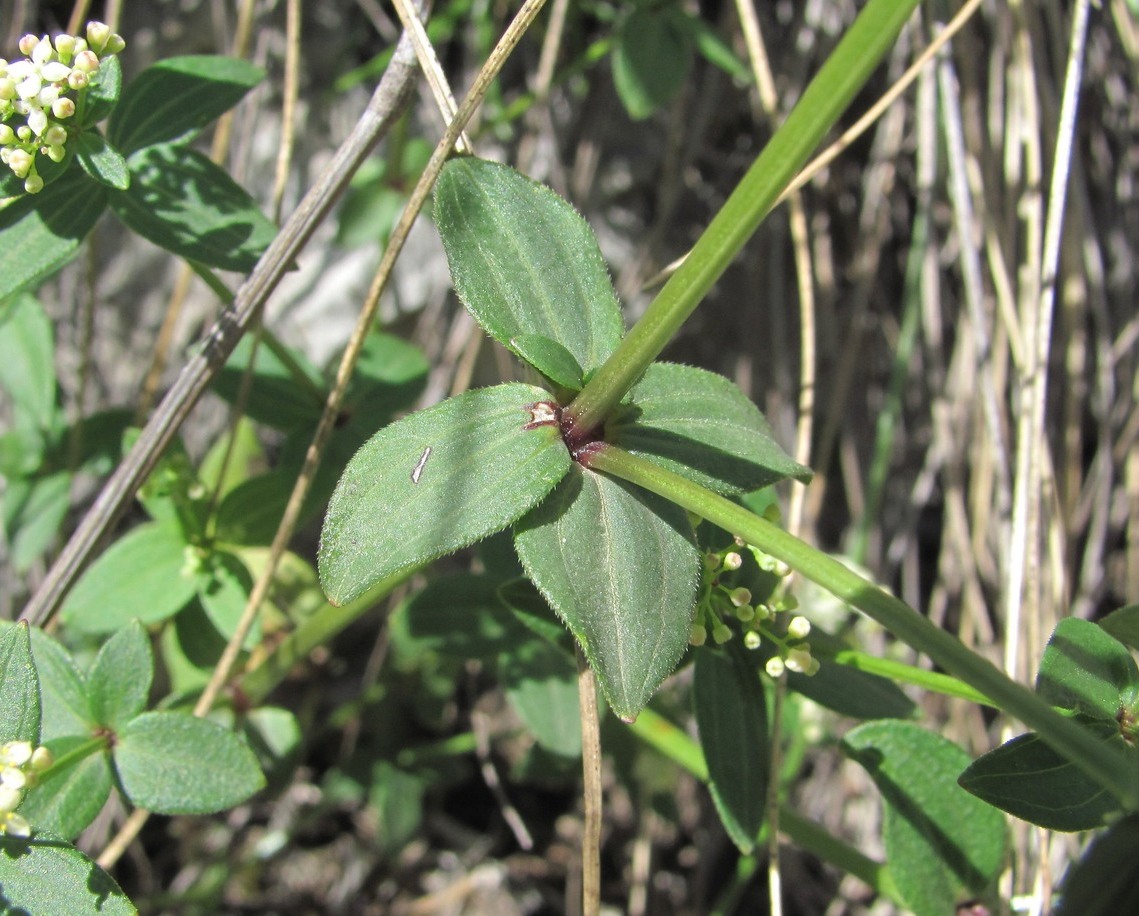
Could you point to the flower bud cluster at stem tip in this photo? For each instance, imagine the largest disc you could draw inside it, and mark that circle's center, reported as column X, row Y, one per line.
column 20, row 767
column 40, row 94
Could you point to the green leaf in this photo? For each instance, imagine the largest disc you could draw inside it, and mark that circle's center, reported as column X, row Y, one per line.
column 458, row 615
column 251, row 511
column 390, row 376
column 943, row 846
column 34, row 510
column 103, row 91
column 276, row 738
column 47, row 875
column 550, row 358
column 534, row 612
column 27, row 359
column 118, row 685
column 731, row 716
column 619, row 567
column 143, row 575
column 224, row 591
column 713, row 48
column 540, row 682
column 700, row 425
column 178, row 96
column 174, row 763
column 1103, row 882
column 19, row 687
column 524, row 261
column 102, row 161
column 1123, row 624
column 438, row 480
column 183, row 202
column 285, row 389
column 851, row 692
column 652, row 55
column 1029, row 780
column 63, row 690
column 74, row 791
column 41, row 232
column 397, row 798
column 1087, row 670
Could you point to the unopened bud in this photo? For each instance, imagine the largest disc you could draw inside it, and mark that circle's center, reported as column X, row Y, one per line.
column 799, row 660
column 42, row 759
column 752, row 639
column 63, row 108
column 87, row 61
column 740, row 596
column 65, row 46
column 732, row 560
column 10, row 799
column 77, row 80
column 798, row 628
column 98, row 33
column 698, row 636
column 33, row 184
column 722, row 633
column 774, row 667
column 28, row 44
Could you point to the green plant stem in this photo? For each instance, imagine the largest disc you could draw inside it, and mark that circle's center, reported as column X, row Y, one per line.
column 1100, row 761
column 844, row 73
column 656, row 731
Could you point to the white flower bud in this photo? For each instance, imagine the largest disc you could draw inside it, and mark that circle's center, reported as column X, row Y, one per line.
column 20, row 162
column 56, row 135
column 698, row 636
column 798, row 628
column 63, row 108
column 10, row 799
column 28, row 44
column 774, row 667
column 55, row 153
column 33, row 184
column 65, row 46
column 752, row 639
column 16, row 825
column 87, row 61
column 740, row 596
column 722, row 633
column 732, row 560
column 799, row 660
column 16, row 753
column 77, row 79
column 7, row 135
column 13, row 777
column 42, row 759
column 98, row 34
column 114, row 44
column 23, row 132
column 7, row 88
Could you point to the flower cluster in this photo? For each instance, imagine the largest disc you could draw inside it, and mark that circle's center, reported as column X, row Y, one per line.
column 39, row 95
column 722, row 600
column 20, row 768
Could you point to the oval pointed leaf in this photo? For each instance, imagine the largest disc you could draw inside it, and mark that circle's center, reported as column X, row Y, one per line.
column 183, row 202
column 651, row 58
column 1029, row 780
column 1103, row 881
column 174, row 763
column 102, row 161
column 1123, row 624
column 619, row 567
column 942, row 845
column 46, row 875
column 19, row 686
column 71, row 797
column 143, row 576
column 435, row 481
column 698, row 424
column 118, row 685
column 731, row 715
column 524, row 261
column 63, row 690
column 1087, row 670
column 540, row 682
column 178, row 96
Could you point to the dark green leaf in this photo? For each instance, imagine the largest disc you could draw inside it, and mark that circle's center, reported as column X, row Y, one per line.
column 652, row 55
column 27, row 359
column 47, row 875
column 102, row 161
column 619, row 567
column 1103, row 882
column 41, row 232
column 19, row 686
column 174, row 763
column 251, row 511
column 103, row 91
column 63, row 691
column 458, row 615
column 285, row 390
column 183, row 202
column 74, row 792
column 118, row 684
column 397, row 798
column 550, row 358
column 540, row 682
column 390, row 376
column 190, row 649
column 524, row 261
column 534, row 612
column 178, row 96
column 34, row 510
column 703, row 427
column 943, row 846
column 1123, row 624
column 1086, row 670
column 713, row 48
column 438, row 480
column 147, row 574
column 851, row 692
column 1029, row 780
column 731, row 716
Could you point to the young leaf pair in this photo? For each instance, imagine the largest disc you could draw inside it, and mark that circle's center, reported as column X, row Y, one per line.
column 618, row 565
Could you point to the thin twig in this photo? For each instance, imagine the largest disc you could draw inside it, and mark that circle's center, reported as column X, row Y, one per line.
column 591, row 788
